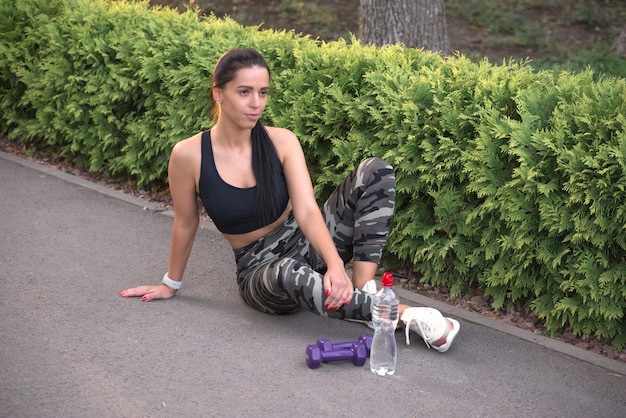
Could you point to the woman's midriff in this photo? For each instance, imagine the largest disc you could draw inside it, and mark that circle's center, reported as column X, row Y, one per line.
column 238, row 241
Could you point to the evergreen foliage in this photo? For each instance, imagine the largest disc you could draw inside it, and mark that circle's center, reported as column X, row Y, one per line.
column 508, row 179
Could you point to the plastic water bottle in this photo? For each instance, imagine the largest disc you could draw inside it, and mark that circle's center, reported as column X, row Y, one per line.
column 384, row 352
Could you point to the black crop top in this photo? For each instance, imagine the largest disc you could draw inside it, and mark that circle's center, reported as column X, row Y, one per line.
column 232, row 209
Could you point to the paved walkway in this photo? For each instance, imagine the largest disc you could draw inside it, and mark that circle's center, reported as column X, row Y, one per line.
column 71, row 347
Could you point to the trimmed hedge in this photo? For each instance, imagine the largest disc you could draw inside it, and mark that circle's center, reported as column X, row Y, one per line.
column 508, row 179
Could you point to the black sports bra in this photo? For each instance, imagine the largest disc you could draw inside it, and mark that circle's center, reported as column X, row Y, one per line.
column 232, row 209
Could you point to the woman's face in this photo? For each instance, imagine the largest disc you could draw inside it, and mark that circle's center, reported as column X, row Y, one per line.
column 243, row 99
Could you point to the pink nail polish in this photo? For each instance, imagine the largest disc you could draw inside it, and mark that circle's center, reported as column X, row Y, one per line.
column 144, row 299
column 327, row 292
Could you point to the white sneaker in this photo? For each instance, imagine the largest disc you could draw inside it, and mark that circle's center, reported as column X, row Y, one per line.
column 370, row 287
column 438, row 332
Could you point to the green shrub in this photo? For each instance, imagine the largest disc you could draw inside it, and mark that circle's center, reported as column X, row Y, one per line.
column 508, row 179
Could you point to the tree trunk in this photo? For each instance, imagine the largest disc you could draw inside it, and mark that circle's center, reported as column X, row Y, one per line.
column 414, row 23
column 619, row 45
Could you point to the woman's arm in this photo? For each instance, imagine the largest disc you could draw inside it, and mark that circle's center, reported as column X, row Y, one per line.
column 337, row 285
column 183, row 164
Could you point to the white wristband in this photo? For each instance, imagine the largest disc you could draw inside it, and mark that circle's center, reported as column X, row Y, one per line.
column 171, row 283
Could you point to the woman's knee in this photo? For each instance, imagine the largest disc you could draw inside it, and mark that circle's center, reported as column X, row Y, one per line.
column 377, row 174
column 376, row 163
column 377, row 168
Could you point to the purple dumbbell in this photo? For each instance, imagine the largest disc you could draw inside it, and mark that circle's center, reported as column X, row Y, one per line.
column 315, row 355
column 327, row 345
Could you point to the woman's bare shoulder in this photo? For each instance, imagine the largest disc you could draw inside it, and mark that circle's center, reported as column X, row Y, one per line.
column 281, row 134
column 187, row 148
column 286, row 143
column 284, row 140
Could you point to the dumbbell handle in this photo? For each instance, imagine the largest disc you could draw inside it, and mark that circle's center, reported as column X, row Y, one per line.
column 366, row 339
column 337, row 355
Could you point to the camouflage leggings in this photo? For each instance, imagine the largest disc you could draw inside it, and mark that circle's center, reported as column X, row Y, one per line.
column 281, row 272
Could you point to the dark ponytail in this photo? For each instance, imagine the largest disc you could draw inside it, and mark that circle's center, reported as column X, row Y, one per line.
column 267, row 169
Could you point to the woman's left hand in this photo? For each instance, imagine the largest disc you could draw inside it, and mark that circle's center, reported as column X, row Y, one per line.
column 148, row 293
column 338, row 288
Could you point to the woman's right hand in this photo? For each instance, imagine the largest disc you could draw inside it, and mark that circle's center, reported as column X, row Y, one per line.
column 148, row 293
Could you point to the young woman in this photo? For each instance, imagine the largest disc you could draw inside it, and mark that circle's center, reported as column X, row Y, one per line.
column 254, row 184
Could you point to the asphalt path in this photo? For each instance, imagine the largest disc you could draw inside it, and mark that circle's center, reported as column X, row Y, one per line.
column 70, row 346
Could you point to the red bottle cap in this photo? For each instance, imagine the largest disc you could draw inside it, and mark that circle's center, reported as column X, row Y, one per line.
column 387, row 279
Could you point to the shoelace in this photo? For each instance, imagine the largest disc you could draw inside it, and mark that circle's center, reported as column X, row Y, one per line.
column 425, row 333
